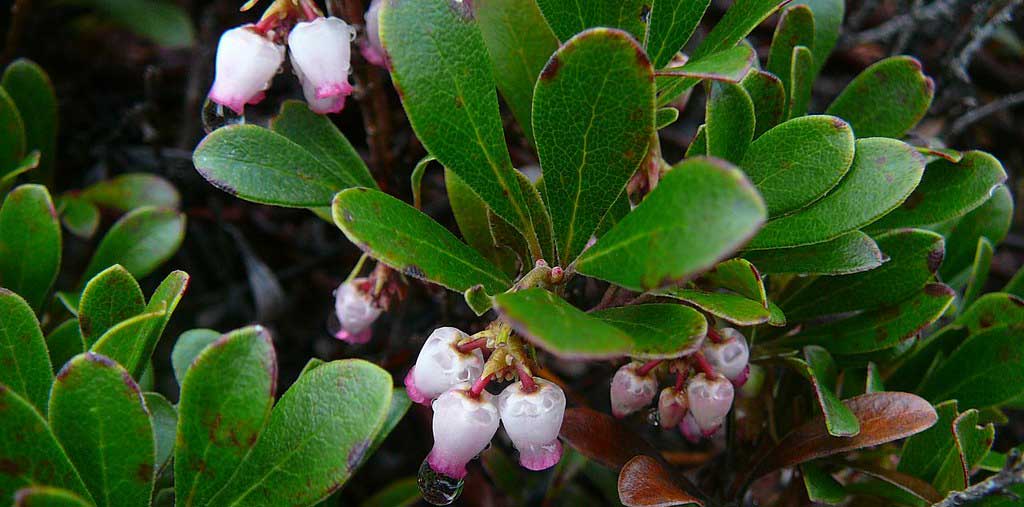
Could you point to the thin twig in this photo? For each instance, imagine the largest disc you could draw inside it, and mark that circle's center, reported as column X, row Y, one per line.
column 980, row 34
column 931, row 12
column 999, row 484
column 975, row 115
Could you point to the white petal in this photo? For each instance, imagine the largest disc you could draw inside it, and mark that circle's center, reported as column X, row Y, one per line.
column 321, row 56
column 355, row 310
column 672, row 406
column 532, row 421
column 631, row 391
column 710, row 401
column 246, row 62
column 730, row 357
column 440, row 365
column 463, row 426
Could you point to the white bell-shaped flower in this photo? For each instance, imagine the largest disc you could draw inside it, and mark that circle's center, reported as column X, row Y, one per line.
column 246, row 62
column 533, row 420
column 731, row 357
column 371, row 48
column 440, row 365
column 672, row 406
column 321, row 56
column 710, row 400
column 631, row 391
column 356, row 311
column 463, row 426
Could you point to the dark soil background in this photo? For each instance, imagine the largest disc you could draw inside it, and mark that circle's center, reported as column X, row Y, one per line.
column 127, row 105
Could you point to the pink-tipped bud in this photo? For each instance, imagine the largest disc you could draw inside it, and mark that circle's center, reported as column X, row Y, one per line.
column 533, row 420
column 371, row 48
column 672, row 406
column 731, row 357
column 441, row 365
column 321, row 56
column 688, row 427
column 710, row 400
column 246, row 62
column 631, row 391
column 356, row 311
column 463, row 426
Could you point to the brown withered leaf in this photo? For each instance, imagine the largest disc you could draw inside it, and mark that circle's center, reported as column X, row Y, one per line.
column 644, row 482
column 602, row 438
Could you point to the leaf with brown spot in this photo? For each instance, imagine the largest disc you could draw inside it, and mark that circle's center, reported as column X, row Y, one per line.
column 644, row 482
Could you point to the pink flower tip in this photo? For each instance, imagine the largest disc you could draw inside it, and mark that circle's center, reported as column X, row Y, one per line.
column 415, row 394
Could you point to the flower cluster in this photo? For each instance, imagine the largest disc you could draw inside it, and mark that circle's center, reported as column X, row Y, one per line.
column 698, row 403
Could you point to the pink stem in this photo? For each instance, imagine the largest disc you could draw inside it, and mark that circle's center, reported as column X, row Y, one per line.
column 309, row 11
column 266, row 24
column 648, row 366
column 703, row 364
column 470, row 346
column 480, row 385
column 681, row 375
column 714, row 336
column 529, row 385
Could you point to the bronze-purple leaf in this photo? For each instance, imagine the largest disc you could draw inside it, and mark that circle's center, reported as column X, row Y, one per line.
column 644, row 482
column 601, row 438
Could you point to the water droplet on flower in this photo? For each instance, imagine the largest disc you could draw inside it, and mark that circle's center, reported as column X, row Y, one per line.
column 652, row 418
column 437, row 488
column 216, row 116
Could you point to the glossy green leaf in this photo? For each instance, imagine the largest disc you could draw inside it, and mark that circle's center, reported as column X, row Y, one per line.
column 699, row 144
column 883, row 174
column 189, row 345
column 787, row 173
column 1016, row 284
column 317, row 135
column 795, row 28
column 32, row 92
column 416, row 180
column 886, row 100
column 990, row 220
column 769, row 98
column 12, row 134
column 978, row 273
column 98, row 415
column 322, row 426
column 913, row 257
column 939, row 455
column 80, row 216
column 539, row 214
column 125, row 342
column 679, row 229
column 986, row 370
column 30, row 243
column 161, row 21
column 821, row 486
column 853, row 252
column 591, row 143
column 570, row 18
column 26, row 364
column 26, row 164
column 164, row 419
column 400, row 404
column 672, row 23
column 134, row 190
column 658, row 331
column 737, row 309
column 401, row 493
column 64, row 342
column 739, row 276
column 665, row 116
column 226, row 399
column 822, row 372
column 69, row 300
column 166, row 297
column 47, row 496
column 452, row 103
column 828, row 20
column 728, row 66
column 34, row 457
column 408, row 240
column 995, row 309
column 471, row 216
column 730, row 121
column 520, row 43
column 141, row 241
column 560, row 328
column 882, row 328
column 108, row 298
column 801, row 80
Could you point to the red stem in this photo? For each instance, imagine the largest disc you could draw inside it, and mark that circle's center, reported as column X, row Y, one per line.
column 681, row 375
column 472, row 345
column 266, row 24
column 703, row 364
column 529, row 385
column 480, row 385
column 648, row 366
column 714, row 336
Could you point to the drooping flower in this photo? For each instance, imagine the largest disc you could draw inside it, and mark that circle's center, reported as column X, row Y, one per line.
column 463, row 426
column 356, row 311
column 246, row 62
column 672, row 406
column 533, row 420
column 440, row 365
column 321, row 56
column 730, row 357
column 371, row 48
column 631, row 391
column 710, row 400
column 688, row 427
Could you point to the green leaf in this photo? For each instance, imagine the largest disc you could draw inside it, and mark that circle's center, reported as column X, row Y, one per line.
column 795, row 28
column 937, row 455
column 821, row 486
column 788, row 175
column 560, row 328
column 853, row 252
column 879, row 329
column 12, row 140
column 30, row 243
column 28, row 163
column 34, row 456
column 887, row 99
column 995, row 309
column 665, row 116
column 658, row 331
column 164, row 419
column 883, row 174
column 519, row 42
column 64, row 342
column 1016, row 284
column 189, row 345
column 32, row 92
column 400, row 404
column 110, row 297
column 539, row 215
column 47, row 496
column 26, row 364
column 948, row 191
column 679, row 229
column 125, row 342
column 408, row 240
column 828, row 20
column 317, row 135
column 672, row 23
column 979, row 271
column 739, row 276
column 166, row 297
column 452, row 104
column 322, row 426
column 990, row 220
column 226, row 398
column 913, row 257
column 416, row 180
column 985, row 371
column 570, row 18
column 401, row 493
column 699, row 144
column 728, row 66
column 98, row 415
column 821, row 370
column 161, row 21
column 141, row 241
column 591, row 143
column 800, row 81
column 471, row 216
column 730, row 121
column 769, row 98
column 134, row 190
column 80, row 216
column 737, row 309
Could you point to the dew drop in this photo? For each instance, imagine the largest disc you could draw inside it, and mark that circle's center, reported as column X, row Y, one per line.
column 437, row 488
column 653, row 418
column 216, row 116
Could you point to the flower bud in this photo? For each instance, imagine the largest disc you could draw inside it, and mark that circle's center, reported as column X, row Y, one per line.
column 246, row 62
column 710, row 400
column 321, row 53
column 371, row 48
column 533, row 420
column 688, row 427
column 463, row 426
column 631, row 391
column 672, row 406
column 356, row 311
column 731, row 357
column 441, row 365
